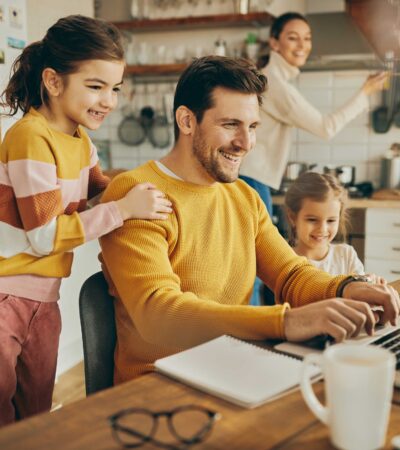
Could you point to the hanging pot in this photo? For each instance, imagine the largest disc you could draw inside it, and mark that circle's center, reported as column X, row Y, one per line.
column 131, row 130
column 159, row 133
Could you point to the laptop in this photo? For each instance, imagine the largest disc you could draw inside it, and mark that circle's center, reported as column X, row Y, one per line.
column 386, row 337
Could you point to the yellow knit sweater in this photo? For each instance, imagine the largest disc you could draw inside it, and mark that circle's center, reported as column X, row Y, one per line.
column 188, row 279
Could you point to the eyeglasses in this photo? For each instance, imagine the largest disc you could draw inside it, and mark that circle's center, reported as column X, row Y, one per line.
column 189, row 425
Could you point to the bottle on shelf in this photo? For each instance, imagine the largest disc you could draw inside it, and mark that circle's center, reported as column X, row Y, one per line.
column 220, row 47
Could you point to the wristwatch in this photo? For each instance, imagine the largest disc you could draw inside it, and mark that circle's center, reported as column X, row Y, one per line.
column 348, row 280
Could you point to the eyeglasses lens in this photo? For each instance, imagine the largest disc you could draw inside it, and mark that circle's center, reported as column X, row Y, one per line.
column 190, row 423
column 133, row 428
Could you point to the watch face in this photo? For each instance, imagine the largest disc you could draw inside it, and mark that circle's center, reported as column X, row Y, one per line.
column 361, row 278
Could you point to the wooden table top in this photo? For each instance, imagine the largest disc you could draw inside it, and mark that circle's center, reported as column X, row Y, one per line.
column 285, row 423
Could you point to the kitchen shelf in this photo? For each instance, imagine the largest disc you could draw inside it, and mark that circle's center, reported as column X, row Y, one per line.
column 156, row 69
column 254, row 19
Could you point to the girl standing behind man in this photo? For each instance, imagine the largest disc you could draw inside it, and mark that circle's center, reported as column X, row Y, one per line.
column 48, row 170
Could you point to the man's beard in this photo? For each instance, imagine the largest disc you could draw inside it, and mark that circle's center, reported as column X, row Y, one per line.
column 210, row 164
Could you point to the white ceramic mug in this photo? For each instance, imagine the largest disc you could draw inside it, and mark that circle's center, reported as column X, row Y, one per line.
column 358, row 391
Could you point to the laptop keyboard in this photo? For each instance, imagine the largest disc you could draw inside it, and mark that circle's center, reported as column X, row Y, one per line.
column 391, row 341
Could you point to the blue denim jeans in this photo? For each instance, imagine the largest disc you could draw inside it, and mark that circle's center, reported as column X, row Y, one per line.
column 265, row 193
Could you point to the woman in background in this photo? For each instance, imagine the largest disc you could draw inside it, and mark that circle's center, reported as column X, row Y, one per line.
column 284, row 108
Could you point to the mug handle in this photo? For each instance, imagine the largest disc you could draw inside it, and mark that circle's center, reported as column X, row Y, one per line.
column 309, row 396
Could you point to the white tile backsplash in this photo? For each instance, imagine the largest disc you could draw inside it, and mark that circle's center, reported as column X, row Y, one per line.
column 385, row 139
column 362, row 172
column 314, row 153
column 376, row 151
column 351, row 134
column 341, row 96
column 374, row 173
column 350, row 153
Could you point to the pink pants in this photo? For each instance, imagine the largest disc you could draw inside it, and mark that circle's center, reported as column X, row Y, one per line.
column 29, row 335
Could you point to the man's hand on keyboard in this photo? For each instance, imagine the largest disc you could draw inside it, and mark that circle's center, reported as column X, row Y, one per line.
column 339, row 318
column 376, row 295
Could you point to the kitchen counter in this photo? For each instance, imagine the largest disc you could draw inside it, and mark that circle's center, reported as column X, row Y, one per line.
column 354, row 202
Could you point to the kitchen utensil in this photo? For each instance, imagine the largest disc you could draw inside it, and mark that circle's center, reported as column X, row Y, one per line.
column 390, row 172
column 296, row 168
column 130, row 130
column 346, row 174
column 382, row 117
column 396, row 116
column 159, row 132
column 241, row 6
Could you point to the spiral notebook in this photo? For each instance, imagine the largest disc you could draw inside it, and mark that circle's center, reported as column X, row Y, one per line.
column 234, row 370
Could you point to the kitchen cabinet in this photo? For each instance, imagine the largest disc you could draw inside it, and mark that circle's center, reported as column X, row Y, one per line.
column 254, row 19
column 382, row 242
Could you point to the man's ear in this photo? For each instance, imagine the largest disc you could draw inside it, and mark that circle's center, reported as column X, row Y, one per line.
column 52, row 81
column 186, row 120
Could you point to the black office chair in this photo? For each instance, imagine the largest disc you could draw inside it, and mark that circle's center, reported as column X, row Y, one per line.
column 96, row 310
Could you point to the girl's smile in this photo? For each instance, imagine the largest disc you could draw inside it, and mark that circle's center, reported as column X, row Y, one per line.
column 316, row 225
column 84, row 97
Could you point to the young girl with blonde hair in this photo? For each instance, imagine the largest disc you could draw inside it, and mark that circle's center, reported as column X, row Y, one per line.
column 316, row 208
column 48, row 170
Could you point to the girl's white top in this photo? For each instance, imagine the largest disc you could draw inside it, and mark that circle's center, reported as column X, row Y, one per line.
column 341, row 259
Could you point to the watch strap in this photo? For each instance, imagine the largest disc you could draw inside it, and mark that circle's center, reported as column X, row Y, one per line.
column 348, row 280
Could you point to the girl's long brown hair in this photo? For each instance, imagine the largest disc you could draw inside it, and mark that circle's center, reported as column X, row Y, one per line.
column 68, row 42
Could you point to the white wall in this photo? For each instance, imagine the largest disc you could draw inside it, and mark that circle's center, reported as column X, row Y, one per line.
column 44, row 13
column 318, row 6
column 279, row 7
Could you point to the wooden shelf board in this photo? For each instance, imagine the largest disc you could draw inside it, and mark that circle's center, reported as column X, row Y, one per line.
column 155, row 69
column 256, row 19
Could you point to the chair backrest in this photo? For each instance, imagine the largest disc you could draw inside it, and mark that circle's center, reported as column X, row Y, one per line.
column 96, row 310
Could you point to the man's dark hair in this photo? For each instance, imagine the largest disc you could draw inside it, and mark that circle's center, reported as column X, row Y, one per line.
column 197, row 83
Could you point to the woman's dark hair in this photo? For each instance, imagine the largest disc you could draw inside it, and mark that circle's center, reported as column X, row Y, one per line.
column 276, row 29
column 280, row 22
column 316, row 187
column 197, row 83
column 68, row 42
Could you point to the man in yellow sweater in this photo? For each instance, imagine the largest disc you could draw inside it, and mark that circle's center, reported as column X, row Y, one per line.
column 188, row 279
